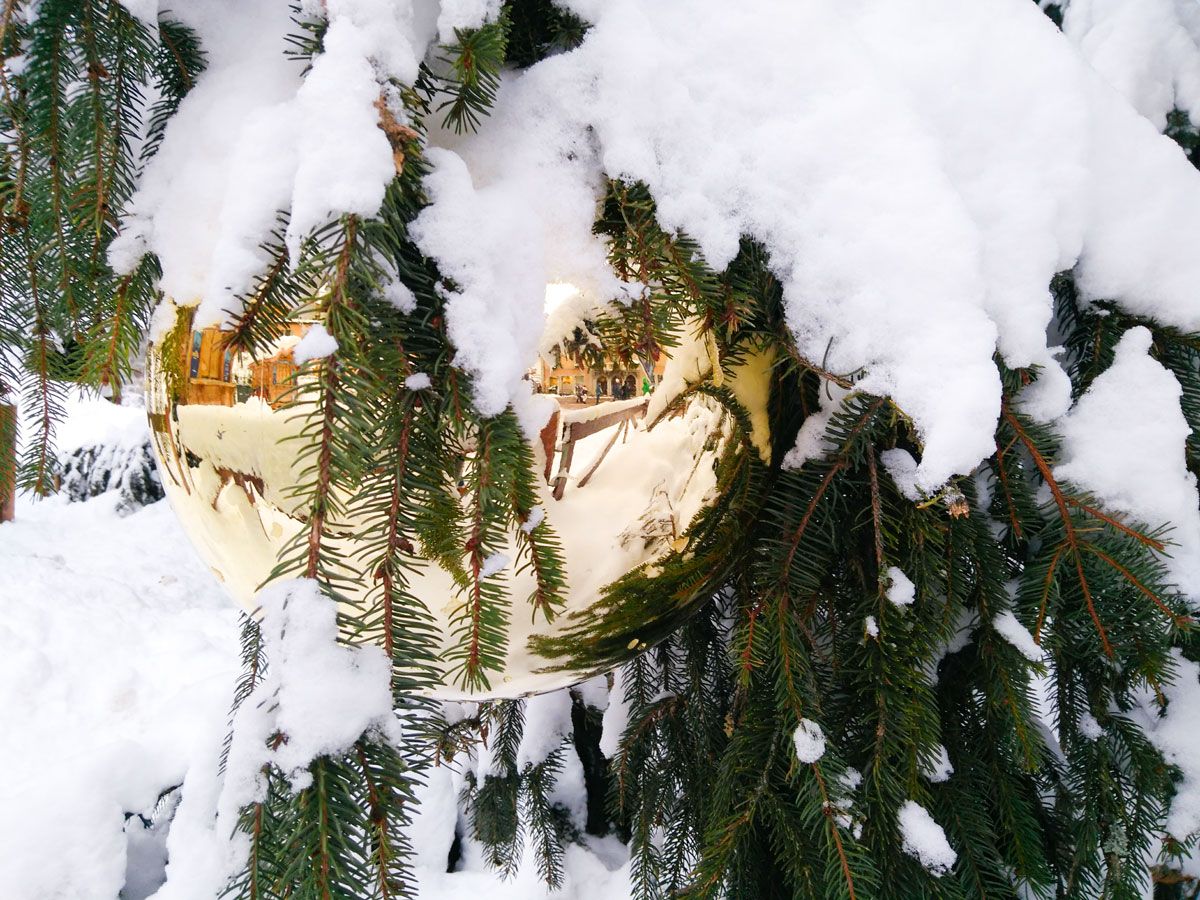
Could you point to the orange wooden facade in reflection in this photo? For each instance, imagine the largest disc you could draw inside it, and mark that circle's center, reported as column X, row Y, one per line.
column 212, row 380
column 210, row 373
column 272, row 378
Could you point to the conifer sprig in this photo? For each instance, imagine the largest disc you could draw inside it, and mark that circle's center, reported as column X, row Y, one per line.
column 76, row 135
column 474, row 61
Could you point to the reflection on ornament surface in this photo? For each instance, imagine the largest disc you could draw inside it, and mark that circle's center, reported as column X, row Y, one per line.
column 620, row 481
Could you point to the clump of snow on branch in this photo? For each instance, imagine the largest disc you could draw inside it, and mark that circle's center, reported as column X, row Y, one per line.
column 338, row 97
column 1124, row 441
column 848, row 783
column 902, row 469
column 966, row 621
column 1009, row 628
column 938, row 768
column 871, row 627
column 320, row 694
column 418, row 381
column 536, row 516
column 1089, row 727
column 1174, row 734
column 895, row 257
column 462, row 14
column 399, row 295
column 498, row 273
column 567, row 308
column 924, row 840
column 317, row 343
column 811, row 442
column 809, row 741
column 258, row 135
column 894, row 254
column 493, row 565
column 901, row 591
column 547, row 725
column 1149, row 50
column 513, row 212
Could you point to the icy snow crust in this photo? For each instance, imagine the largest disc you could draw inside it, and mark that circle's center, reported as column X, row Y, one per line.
column 996, row 157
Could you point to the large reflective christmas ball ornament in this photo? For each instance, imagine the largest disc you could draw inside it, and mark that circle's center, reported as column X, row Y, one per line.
column 622, row 471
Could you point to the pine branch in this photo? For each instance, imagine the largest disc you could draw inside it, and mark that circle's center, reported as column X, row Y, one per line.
column 1072, row 542
column 474, row 59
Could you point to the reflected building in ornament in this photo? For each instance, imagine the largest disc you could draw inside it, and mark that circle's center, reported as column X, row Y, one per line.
column 563, row 375
column 219, row 376
column 210, row 370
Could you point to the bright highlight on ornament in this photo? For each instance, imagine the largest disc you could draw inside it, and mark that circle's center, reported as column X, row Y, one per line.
column 622, row 471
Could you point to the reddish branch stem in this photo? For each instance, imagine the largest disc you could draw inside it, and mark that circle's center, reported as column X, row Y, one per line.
column 1060, row 501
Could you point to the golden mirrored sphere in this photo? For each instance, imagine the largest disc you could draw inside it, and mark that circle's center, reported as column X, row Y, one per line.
column 620, row 482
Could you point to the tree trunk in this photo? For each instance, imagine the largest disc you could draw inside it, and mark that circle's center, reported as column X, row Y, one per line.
column 8, row 461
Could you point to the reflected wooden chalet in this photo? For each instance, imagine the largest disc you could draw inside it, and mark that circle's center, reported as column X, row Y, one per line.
column 273, row 378
column 215, row 378
column 562, row 374
column 210, row 373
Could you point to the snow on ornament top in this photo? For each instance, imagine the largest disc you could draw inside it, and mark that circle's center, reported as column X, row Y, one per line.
column 621, row 476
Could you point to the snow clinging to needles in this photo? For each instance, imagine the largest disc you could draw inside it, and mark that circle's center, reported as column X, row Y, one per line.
column 809, row 741
column 924, row 839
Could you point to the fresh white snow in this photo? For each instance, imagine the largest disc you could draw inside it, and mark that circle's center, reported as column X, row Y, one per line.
column 894, row 253
column 317, row 343
column 924, row 839
column 901, row 591
column 493, row 565
column 536, row 516
column 1174, row 734
column 902, row 469
column 810, row 441
column 1124, row 442
column 1001, row 152
column 1009, row 628
column 918, row 252
column 118, row 653
column 418, row 381
column 809, row 741
column 939, row 768
column 1089, row 727
column 1149, row 50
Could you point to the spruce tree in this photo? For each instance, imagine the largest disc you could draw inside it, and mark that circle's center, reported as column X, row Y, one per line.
column 790, row 713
